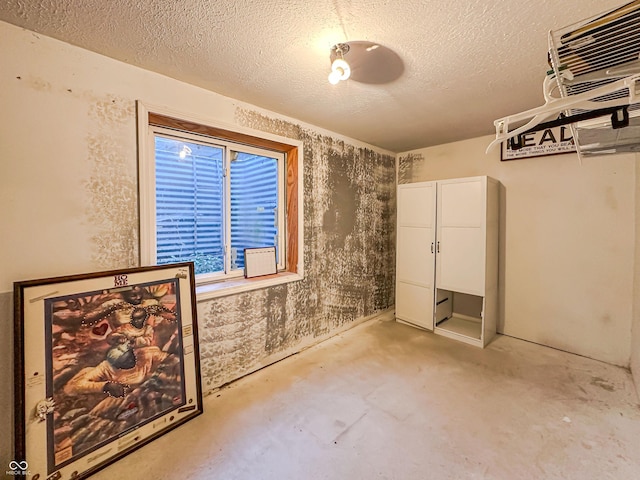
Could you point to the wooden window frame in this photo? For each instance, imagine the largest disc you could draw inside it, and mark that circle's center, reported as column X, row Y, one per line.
column 150, row 116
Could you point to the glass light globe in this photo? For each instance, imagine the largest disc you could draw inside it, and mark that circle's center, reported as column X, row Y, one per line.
column 334, row 77
column 340, row 65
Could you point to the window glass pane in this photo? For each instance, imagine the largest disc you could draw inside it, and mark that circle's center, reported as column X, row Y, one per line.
column 254, row 201
column 189, row 204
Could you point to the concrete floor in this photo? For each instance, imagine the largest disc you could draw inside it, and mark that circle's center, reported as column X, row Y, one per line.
column 387, row 401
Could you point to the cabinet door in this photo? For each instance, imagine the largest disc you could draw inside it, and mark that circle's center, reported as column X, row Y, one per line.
column 461, row 235
column 415, row 253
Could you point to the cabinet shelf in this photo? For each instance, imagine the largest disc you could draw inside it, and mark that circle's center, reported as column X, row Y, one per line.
column 462, row 326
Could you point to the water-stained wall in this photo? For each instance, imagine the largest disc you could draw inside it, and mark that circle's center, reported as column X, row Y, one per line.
column 111, row 185
column 349, row 235
column 411, row 168
column 566, row 242
column 68, row 185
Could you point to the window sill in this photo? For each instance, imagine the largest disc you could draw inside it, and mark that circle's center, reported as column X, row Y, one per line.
column 240, row 285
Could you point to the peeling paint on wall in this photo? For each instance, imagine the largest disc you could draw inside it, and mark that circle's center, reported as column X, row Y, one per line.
column 339, row 215
column 409, row 167
column 232, row 335
column 112, row 210
column 349, row 254
column 112, row 111
column 276, row 315
column 274, row 126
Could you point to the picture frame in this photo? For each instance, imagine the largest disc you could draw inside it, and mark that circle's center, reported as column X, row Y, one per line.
column 105, row 363
column 260, row 261
column 549, row 141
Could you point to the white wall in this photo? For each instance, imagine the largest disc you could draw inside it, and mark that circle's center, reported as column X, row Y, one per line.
column 68, row 187
column 567, row 243
column 635, row 338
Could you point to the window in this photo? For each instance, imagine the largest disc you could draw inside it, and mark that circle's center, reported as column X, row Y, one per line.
column 208, row 193
column 213, row 200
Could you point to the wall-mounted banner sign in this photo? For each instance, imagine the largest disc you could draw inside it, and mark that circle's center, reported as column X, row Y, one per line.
column 550, row 141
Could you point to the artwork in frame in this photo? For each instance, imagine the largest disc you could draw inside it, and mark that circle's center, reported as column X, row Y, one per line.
column 550, row 141
column 105, row 363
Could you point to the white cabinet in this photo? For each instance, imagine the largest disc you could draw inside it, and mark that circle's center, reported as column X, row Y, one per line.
column 415, row 247
column 447, row 257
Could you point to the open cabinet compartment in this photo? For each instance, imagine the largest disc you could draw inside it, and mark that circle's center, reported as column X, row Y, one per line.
column 459, row 315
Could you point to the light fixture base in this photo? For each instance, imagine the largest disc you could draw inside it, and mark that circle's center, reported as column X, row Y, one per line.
column 340, row 69
column 339, row 49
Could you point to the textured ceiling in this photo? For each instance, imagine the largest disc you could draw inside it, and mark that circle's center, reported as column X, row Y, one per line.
column 466, row 63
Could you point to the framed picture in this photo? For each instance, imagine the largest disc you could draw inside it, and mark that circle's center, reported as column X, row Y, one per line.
column 550, row 141
column 260, row 261
column 105, row 363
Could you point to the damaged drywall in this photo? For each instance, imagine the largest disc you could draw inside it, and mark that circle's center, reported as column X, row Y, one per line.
column 349, row 255
column 232, row 333
column 409, row 167
column 112, row 185
column 71, row 185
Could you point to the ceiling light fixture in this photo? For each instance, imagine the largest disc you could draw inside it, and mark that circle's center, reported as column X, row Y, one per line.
column 340, row 69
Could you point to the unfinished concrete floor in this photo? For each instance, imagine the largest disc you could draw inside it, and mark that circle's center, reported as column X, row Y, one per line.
column 387, row 401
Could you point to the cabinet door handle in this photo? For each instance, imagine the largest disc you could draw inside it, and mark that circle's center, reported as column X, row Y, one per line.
column 431, row 247
column 438, row 247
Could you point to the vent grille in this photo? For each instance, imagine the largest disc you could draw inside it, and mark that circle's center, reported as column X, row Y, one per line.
column 599, row 51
